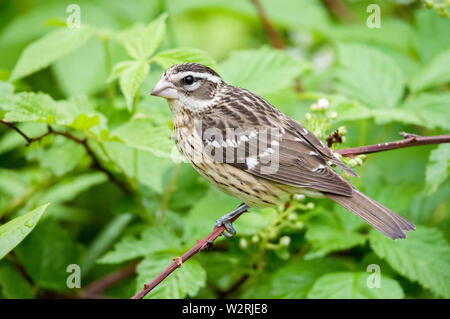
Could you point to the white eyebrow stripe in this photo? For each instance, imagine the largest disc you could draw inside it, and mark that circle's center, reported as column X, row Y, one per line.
column 203, row 75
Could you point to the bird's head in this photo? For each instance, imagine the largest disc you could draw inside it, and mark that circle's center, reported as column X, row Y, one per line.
column 193, row 85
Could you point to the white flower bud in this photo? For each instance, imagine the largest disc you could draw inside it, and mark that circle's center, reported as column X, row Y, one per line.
column 255, row 239
column 359, row 160
column 342, row 130
column 323, row 104
column 310, row 205
column 243, row 243
column 299, row 197
column 352, row 163
column 285, row 240
column 299, row 225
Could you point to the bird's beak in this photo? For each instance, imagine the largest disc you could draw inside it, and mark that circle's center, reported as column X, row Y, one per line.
column 165, row 89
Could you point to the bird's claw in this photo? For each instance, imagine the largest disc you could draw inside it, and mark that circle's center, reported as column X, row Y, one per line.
column 226, row 220
column 229, row 229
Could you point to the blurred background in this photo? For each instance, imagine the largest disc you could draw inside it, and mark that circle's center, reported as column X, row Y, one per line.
column 122, row 201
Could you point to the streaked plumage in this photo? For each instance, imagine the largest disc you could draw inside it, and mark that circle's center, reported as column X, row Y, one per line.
column 207, row 110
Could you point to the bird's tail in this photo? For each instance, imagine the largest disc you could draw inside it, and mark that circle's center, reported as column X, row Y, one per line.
column 375, row 214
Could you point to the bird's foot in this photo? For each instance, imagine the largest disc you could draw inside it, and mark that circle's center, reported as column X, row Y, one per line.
column 226, row 220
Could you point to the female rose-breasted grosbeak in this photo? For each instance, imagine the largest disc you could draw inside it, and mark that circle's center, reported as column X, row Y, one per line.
column 250, row 150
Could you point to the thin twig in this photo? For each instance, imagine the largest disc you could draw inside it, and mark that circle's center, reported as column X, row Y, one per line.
column 205, row 243
column 274, row 36
column 339, row 9
column 82, row 141
column 408, row 141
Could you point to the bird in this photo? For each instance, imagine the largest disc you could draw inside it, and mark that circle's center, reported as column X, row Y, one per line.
column 249, row 149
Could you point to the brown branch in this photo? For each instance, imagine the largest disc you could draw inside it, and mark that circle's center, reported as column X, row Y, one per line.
column 82, row 141
column 28, row 140
column 340, row 10
column 178, row 262
column 409, row 140
column 274, row 36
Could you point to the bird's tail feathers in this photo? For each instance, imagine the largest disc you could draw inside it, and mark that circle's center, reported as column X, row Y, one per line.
column 375, row 214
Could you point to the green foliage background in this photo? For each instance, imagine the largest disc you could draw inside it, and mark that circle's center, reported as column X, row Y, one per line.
column 94, row 82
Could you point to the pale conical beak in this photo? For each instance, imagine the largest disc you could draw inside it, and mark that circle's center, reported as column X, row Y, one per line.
column 165, row 89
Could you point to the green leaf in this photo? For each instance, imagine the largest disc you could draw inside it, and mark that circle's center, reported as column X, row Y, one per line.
column 151, row 169
column 435, row 73
column 119, row 68
column 60, row 157
column 255, row 220
column 354, row 285
column 14, row 231
column 151, row 240
column 437, row 168
column 71, row 187
column 183, row 55
column 432, row 33
column 426, row 110
column 189, row 187
column 370, row 75
column 394, row 33
column 46, row 253
column 226, row 270
column 40, row 107
column 430, row 109
column 185, row 281
column 86, row 66
column 84, row 122
column 148, row 168
column 141, row 134
column 332, row 231
column 298, row 15
column 423, row 257
column 12, row 182
column 293, row 280
column 131, row 74
column 46, row 50
column 13, row 285
column 201, row 218
column 141, row 41
column 34, row 107
column 6, row 88
column 266, row 70
column 104, row 239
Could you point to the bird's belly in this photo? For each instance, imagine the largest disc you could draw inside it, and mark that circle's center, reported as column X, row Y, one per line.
column 252, row 190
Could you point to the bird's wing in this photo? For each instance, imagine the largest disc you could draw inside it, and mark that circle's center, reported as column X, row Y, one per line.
column 252, row 135
column 318, row 145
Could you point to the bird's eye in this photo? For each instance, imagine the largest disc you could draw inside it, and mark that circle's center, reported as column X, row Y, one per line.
column 188, row 79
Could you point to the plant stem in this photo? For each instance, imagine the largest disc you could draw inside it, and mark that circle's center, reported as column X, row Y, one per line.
column 83, row 142
column 169, row 189
column 108, row 68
